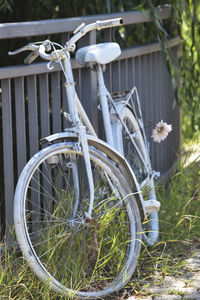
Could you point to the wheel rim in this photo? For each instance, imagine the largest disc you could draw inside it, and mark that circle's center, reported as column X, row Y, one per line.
column 129, row 150
column 50, row 234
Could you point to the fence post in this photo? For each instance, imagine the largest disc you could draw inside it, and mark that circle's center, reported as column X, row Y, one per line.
column 8, row 157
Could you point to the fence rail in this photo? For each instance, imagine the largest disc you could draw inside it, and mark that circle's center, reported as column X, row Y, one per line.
column 24, row 29
column 32, row 97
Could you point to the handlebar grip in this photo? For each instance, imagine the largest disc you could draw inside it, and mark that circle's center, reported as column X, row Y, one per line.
column 109, row 23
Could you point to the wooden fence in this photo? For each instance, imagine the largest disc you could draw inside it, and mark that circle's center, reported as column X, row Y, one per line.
column 32, row 97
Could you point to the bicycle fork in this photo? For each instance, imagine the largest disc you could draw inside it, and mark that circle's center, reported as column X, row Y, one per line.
column 85, row 149
column 83, row 144
column 86, row 155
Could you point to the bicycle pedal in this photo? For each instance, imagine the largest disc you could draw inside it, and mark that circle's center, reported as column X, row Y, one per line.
column 155, row 174
column 151, row 206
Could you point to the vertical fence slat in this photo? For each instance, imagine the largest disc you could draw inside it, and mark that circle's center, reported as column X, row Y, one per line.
column 150, row 105
column 8, row 154
column 168, row 118
column 115, row 77
column 142, row 92
column 107, row 35
column 165, row 112
column 147, row 124
column 153, row 104
column 119, row 76
column 45, row 131
column 44, row 105
column 136, row 72
column 162, row 111
column 20, row 123
column 89, row 85
column 130, row 80
column 123, row 75
column 56, row 102
column 76, row 74
column 33, row 133
column 158, row 148
column 32, row 114
column 108, row 77
column 139, row 76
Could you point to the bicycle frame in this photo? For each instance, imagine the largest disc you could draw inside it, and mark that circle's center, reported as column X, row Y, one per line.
column 76, row 109
column 77, row 112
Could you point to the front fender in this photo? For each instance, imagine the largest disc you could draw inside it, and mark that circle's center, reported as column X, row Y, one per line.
column 112, row 154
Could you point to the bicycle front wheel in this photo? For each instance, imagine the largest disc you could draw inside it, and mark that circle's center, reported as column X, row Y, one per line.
column 80, row 257
column 133, row 156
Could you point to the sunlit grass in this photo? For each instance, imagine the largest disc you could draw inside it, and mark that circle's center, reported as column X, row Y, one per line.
column 179, row 227
column 17, row 280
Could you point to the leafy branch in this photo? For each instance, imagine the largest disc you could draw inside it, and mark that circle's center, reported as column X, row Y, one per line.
column 6, row 5
column 163, row 38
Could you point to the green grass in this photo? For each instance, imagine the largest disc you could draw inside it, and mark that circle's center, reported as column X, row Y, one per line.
column 18, row 282
column 179, row 231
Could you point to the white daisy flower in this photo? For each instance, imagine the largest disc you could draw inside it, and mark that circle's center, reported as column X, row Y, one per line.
column 161, row 131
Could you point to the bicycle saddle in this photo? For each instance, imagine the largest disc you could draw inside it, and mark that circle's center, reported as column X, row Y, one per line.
column 100, row 53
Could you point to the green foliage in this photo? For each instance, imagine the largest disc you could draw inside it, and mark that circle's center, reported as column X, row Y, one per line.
column 190, row 30
column 163, row 38
column 187, row 16
column 21, row 10
column 6, row 6
column 180, row 211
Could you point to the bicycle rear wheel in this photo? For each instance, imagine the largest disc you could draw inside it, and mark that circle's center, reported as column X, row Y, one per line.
column 127, row 148
column 82, row 258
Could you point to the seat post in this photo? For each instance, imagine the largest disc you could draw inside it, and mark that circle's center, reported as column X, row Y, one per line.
column 102, row 91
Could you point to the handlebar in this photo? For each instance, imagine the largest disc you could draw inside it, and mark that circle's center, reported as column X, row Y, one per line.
column 99, row 25
column 39, row 49
column 109, row 23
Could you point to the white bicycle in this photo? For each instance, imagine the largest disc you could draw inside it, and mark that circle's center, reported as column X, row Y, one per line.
column 80, row 202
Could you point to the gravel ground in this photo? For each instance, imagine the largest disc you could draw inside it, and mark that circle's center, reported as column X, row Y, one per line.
column 186, row 286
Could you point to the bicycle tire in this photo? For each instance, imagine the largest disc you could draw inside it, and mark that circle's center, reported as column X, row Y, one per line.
column 77, row 259
column 127, row 148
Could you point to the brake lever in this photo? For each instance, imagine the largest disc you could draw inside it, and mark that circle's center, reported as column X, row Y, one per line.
column 30, row 47
column 31, row 57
